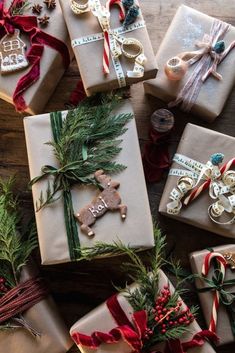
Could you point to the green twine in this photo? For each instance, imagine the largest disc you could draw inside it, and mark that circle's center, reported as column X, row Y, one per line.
column 70, row 222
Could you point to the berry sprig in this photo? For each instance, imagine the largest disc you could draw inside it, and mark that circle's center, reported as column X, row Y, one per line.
column 167, row 316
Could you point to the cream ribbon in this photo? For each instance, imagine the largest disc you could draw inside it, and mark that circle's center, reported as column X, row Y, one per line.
column 119, row 45
column 221, row 188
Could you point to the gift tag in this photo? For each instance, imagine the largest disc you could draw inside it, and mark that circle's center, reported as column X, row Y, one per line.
column 108, row 199
column 12, row 53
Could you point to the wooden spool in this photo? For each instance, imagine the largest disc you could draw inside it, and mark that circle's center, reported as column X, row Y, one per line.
column 162, row 120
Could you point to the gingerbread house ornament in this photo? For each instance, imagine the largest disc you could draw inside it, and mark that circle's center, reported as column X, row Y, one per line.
column 12, row 53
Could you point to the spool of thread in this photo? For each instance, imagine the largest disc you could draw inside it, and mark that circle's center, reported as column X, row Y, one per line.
column 162, row 120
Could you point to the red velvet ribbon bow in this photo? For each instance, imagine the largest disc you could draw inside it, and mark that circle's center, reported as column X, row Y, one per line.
column 29, row 26
column 131, row 333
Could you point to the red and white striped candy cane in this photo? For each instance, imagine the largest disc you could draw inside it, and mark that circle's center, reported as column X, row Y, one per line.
column 197, row 191
column 106, row 55
column 216, row 300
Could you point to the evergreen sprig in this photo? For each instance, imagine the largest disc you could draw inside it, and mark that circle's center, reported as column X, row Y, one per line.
column 15, row 248
column 88, row 141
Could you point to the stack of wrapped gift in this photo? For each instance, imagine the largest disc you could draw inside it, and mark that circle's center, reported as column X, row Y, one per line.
column 216, row 286
column 118, row 311
column 34, row 53
column 110, row 42
column 133, row 226
column 200, row 185
column 197, row 56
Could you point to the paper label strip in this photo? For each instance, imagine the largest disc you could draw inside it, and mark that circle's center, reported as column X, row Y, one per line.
column 99, row 36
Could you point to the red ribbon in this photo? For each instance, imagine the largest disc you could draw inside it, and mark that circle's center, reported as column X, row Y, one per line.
column 38, row 38
column 176, row 346
column 156, row 157
column 132, row 334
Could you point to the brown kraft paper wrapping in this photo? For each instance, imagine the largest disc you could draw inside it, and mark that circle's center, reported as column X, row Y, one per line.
column 51, row 65
column 186, row 28
column 45, row 319
column 101, row 319
column 90, row 64
column 223, row 328
column 199, row 143
column 136, row 230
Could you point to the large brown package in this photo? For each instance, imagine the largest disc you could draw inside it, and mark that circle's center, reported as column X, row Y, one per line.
column 198, row 144
column 136, row 231
column 187, row 27
column 89, row 55
column 100, row 319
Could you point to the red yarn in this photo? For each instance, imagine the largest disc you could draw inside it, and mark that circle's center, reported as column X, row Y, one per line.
column 21, row 298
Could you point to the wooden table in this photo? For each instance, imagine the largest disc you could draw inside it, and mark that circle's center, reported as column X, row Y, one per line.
column 80, row 287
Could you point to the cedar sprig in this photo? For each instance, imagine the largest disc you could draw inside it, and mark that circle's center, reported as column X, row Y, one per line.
column 88, row 142
column 15, row 248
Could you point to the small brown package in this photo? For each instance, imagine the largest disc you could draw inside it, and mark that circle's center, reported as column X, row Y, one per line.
column 89, row 56
column 45, row 319
column 51, row 64
column 137, row 229
column 223, row 327
column 199, row 143
column 187, row 27
column 100, row 319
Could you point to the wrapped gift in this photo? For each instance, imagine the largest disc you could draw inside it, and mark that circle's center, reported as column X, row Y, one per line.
column 33, row 52
column 197, row 55
column 46, row 323
column 131, row 328
column 133, row 226
column 216, row 287
column 200, row 186
column 123, row 52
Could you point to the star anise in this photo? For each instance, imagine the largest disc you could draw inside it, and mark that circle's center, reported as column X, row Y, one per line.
column 37, row 9
column 43, row 21
column 51, row 4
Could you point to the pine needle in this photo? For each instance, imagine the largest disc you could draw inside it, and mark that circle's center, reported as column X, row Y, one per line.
column 14, row 248
column 88, row 141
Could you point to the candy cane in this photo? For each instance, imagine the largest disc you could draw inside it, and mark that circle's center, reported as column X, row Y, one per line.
column 197, row 191
column 106, row 55
column 122, row 12
column 216, row 300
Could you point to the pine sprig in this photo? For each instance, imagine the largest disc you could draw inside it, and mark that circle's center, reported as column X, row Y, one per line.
column 14, row 248
column 88, row 141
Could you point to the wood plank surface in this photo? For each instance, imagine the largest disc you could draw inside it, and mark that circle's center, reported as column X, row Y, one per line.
column 77, row 288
